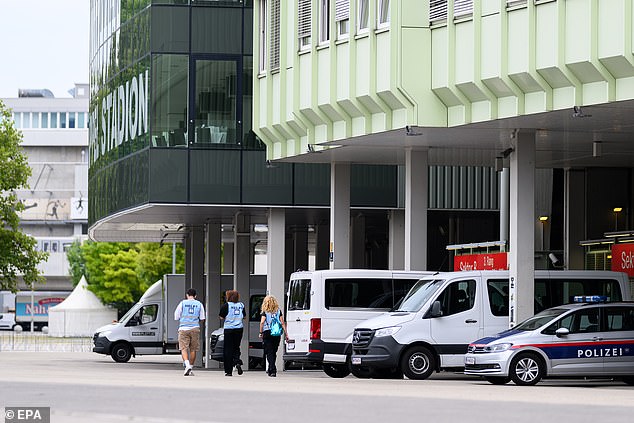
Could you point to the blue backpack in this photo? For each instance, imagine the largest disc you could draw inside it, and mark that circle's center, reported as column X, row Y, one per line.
column 276, row 326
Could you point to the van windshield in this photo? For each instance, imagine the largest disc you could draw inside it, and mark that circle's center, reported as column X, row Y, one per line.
column 129, row 313
column 419, row 295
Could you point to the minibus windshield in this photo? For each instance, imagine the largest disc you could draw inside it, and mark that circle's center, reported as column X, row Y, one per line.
column 419, row 295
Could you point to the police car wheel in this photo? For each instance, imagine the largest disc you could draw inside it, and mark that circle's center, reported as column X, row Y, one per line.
column 121, row 353
column 526, row 369
column 418, row 363
column 496, row 380
column 336, row 370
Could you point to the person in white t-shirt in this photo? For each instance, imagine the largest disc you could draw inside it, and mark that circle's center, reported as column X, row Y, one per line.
column 189, row 313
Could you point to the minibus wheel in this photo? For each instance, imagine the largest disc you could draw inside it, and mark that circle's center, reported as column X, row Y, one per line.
column 418, row 362
column 121, row 352
column 336, row 370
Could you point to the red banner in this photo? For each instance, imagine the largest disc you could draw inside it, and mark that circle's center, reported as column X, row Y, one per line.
column 623, row 258
column 485, row 261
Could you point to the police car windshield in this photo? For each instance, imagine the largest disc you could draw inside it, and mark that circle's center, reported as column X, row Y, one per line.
column 419, row 294
column 540, row 319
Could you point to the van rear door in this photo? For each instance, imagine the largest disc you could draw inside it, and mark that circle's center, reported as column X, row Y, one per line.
column 298, row 315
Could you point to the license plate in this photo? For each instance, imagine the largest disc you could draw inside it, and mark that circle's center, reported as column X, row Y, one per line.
column 469, row 360
column 356, row 360
column 290, row 345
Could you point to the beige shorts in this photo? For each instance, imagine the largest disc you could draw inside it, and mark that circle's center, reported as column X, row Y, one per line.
column 189, row 339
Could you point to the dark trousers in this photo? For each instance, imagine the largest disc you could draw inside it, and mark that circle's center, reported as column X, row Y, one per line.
column 232, row 348
column 271, row 344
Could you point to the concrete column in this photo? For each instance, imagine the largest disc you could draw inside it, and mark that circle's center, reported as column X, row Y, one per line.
column 241, row 273
column 227, row 258
column 357, row 244
column 289, row 257
column 397, row 239
column 505, row 174
column 322, row 246
column 522, row 228
column 213, row 266
column 416, row 202
column 340, row 215
column 275, row 265
column 300, row 248
column 574, row 219
column 197, row 275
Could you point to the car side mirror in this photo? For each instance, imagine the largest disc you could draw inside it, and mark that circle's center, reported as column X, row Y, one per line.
column 436, row 310
column 562, row 332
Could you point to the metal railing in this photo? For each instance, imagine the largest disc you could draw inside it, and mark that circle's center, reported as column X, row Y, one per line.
column 40, row 342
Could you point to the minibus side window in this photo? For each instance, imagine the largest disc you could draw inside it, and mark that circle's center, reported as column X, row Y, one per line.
column 359, row 293
column 459, row 296
column 299, row 295
column 498, row 290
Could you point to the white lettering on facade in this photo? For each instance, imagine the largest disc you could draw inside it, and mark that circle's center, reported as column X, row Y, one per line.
column 123, row 116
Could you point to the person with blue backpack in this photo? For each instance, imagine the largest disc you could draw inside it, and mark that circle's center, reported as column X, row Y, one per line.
column 189, row 313
column 272, row 327
column 233, row 314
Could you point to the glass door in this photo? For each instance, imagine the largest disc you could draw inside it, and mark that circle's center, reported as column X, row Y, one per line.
column 215, row 113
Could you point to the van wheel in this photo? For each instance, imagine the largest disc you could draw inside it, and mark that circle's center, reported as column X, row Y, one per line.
column 526, row 369
column 496, row 380
column 361, row 372
column 336, row 370
column 121, row 353
column 418, row 363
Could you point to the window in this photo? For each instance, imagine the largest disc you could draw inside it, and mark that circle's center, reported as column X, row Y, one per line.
column 17, row 118
column 457, row 297
column 54, row 120
column 437, row 10
column 304, row 24
column 45, row 120
column 275, row 35
column 363, row 7
column 71, row 120
column 36, row 120
column 619, row 318
column 383, row 13
column 462, row 8
column 582, row 321
column 498, row 296
column 359, row 293
column 62, row 120
column 262, row 35
column 299, row 295
column 342, row 17
column 324, row 21
column 255, row 308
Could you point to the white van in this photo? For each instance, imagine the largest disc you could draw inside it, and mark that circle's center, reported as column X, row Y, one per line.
column 324, row 306
column 433, row 326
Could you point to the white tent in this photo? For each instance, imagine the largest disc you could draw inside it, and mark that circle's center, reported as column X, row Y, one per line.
column 79, row 314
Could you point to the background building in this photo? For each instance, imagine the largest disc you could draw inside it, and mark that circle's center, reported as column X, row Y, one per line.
column 55, row 141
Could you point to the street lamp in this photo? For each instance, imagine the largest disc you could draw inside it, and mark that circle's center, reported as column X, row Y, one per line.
column 543, row 220
column 617, row 210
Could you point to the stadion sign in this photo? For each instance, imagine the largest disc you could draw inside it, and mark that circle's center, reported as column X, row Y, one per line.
column 623, row 258
column 484, row 261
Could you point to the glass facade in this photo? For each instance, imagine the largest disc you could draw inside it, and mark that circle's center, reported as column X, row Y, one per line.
column 171, row 111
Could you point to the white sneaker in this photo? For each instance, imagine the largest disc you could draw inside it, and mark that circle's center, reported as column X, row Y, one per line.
column 188, row 370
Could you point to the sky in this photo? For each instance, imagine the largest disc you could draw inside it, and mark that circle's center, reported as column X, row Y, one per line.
column 44, row 45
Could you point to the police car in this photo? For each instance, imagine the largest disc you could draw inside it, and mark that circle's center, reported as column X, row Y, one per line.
column 588, row 338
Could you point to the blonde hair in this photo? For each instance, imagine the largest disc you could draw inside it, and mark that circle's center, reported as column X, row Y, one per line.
column 270, row 304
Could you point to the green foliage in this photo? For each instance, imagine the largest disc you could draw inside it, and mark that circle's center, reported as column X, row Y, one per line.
column 18, row 255
column 119, row 273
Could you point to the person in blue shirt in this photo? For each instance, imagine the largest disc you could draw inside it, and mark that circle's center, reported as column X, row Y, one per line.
column 270, row 309
column 189, row 313
column 233, row 314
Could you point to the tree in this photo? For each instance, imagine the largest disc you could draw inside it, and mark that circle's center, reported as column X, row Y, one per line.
column 18, row 255
column 118, row 273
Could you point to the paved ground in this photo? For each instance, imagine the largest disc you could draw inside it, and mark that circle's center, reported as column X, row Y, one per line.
column 86, row 387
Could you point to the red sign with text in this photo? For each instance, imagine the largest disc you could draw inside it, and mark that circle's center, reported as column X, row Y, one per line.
column 623, row 258
column 485, row 261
